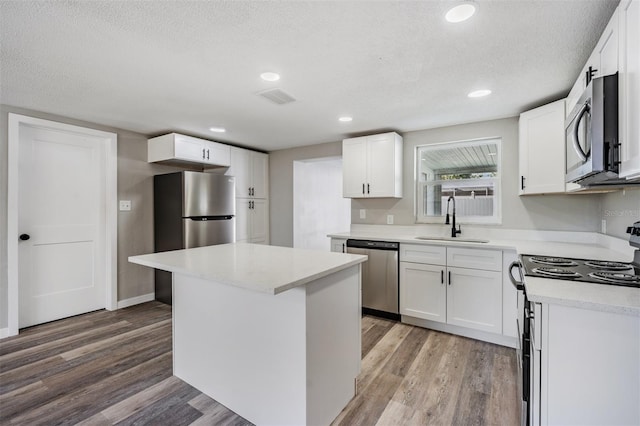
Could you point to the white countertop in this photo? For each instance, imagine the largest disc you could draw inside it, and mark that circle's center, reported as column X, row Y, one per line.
column 580, row 245
column 268, row 269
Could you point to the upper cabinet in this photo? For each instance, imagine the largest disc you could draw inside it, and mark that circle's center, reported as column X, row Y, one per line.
column 542, row 150
column 629, row 88
column 372, row 166
column 603, row 61
column 180, row 149
column 251, row 170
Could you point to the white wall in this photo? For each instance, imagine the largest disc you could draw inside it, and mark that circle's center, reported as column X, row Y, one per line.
column 281, row 187
column 318, row 205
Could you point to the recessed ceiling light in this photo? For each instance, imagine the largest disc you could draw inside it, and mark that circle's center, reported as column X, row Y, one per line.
column 345, row 119
column 218, row 129
column 270, row 76
column 461, row 12
column 479, row 93
column 492, row 153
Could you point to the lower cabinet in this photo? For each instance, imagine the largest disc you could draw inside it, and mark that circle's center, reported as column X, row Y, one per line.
column 455, row 286
column 474, row 299
column 338, row 245
column 469, row 298
column 423, row 292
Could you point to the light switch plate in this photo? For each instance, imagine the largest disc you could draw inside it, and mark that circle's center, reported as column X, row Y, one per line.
column 125, row 205
column 363, row 214
column 389, row 219
column 604, row 226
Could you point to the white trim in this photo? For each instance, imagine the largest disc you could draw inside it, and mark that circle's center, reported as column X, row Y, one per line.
column 136, row 300
column 111, row 226
column 4, row 332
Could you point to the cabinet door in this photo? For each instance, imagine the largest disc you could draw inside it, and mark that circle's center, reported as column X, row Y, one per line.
column 629, row 88
column 189, row 149
column 216, row 154
column 242, row 220
column 474, row 299
column 354, row 170
column 607, row 48
column 338, row 245
column 240, row 167
column 259, row 222
column 423, row 292
column 260, row 175
column 381, row 170
column 542, row 150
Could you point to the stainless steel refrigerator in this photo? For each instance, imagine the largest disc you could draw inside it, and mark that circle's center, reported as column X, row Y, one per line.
column 191, row 209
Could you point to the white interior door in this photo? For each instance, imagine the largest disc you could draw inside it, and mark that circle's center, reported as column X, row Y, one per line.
column 61, row 208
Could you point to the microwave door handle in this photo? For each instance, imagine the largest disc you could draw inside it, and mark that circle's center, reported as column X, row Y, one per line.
column 576, row 142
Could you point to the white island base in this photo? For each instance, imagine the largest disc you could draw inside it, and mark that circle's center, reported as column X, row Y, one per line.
column 273, row 359
column 277, row 341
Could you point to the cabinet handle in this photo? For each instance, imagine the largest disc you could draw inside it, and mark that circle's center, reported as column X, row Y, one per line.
column 207, row 154
column 203, row 150
column 343, row 247
column 249, row 190
column 449, row 273
column 363, row 188
column 522, row 182
column 368, row 189
column 442, row 277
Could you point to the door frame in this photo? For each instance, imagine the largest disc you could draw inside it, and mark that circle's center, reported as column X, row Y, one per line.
column 110, row 141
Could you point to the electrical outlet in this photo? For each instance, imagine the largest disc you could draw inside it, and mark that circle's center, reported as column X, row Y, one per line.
column 389, row 219
column 604, row 226
column 363, row 214
column 125, row 205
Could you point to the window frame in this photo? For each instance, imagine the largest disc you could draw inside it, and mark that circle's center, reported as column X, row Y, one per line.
column 495, row 219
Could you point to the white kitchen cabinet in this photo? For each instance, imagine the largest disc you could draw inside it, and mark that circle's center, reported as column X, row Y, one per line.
column 542, row 150
column 463, row 288
column 252, row 221
column 180, row 149
column 372, row 166
column 338, row 245
column 474, row 299
column 604, row 60
column 423, row 292
column 589, row 367
column 629, row 88
column 251, row 170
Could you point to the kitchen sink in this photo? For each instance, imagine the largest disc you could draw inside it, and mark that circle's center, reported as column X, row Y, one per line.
column 460, row 240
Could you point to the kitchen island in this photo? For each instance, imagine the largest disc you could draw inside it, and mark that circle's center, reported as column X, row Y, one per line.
column 273, row 333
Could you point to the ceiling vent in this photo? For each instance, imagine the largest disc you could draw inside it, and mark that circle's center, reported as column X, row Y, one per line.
column 277, row 96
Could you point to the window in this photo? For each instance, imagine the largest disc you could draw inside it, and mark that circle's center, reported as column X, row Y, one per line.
column 469, row 171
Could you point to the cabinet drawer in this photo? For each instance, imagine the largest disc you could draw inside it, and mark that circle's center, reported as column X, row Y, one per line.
column 488, row 260
column 418, row 253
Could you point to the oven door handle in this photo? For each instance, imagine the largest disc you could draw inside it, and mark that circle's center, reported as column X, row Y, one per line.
column 585, row 109
column 519, row 285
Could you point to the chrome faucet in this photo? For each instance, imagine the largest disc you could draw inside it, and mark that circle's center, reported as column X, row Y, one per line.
column 454, row 231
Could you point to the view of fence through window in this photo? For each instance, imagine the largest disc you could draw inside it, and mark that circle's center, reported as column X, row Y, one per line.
column 467, row 170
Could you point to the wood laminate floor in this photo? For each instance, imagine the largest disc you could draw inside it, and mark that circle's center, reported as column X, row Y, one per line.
column 106, row 368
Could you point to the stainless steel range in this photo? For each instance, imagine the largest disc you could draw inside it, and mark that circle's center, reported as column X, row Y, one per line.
column 584, row 270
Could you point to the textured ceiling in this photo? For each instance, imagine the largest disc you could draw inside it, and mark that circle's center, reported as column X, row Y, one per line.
column 159, row 66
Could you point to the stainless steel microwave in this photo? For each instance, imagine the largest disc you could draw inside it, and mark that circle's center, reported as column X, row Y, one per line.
column 591, row 130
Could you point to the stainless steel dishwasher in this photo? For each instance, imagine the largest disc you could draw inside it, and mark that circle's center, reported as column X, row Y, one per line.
column 379, row 277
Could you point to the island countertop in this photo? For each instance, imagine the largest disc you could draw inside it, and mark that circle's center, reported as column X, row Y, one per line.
column 267, row 269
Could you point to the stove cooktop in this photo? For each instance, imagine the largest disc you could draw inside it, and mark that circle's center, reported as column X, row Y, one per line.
column 585, row 270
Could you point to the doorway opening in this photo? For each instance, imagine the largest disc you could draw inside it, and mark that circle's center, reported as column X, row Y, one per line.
column 318, row 206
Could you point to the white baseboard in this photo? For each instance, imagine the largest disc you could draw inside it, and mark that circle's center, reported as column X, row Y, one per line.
column 136, row 300
column 4, row 332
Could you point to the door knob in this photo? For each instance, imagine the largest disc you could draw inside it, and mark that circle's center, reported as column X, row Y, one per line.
column 24, row 237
